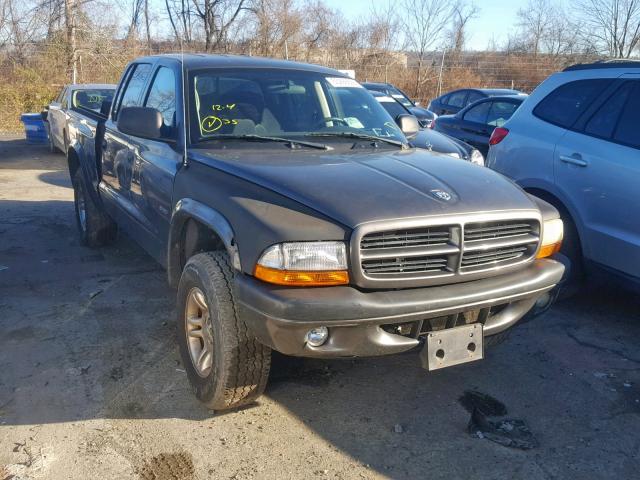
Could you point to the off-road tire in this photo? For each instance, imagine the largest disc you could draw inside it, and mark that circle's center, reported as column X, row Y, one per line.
column 240, row 364
column 98, row 229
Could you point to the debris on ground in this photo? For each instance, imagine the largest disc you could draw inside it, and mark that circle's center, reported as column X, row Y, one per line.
column 93, row 295
column 474, row 400
column 510, row 432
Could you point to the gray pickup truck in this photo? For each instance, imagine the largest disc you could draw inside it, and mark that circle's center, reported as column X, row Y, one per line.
column 294, row 218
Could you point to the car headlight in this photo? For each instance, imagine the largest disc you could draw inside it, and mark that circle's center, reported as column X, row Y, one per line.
column 552, row 233
column 477, row 157
column 304, row 264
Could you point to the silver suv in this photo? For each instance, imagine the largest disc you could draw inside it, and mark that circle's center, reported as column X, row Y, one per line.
column 575, row 142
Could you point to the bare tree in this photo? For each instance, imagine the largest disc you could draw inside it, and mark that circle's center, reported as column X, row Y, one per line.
column 463, row 13
column 610, row 27
column 424, row 25
column 217, row 16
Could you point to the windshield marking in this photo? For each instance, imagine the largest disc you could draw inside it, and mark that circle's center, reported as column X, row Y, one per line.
column 343, row 82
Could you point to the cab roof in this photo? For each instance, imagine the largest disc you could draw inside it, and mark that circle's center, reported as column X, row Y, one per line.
column 196, row 61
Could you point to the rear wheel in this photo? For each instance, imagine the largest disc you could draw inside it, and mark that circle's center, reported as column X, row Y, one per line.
column 95, row 226
column 226, row 366
column 572, row 249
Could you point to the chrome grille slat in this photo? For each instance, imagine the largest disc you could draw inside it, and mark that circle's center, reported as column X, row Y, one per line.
column 404, row 265
column 401, row 238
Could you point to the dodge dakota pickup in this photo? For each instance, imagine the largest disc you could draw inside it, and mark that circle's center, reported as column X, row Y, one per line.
column 291, row 214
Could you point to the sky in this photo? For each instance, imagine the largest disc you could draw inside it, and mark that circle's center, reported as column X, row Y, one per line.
column 496, row 18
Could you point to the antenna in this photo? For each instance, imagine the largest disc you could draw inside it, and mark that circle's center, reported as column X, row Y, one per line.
column 185, row 105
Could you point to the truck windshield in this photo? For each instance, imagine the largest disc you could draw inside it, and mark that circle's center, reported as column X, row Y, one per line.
column 283, row 103
column 91, row 99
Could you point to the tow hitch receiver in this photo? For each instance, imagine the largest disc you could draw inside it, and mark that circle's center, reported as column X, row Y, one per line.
column 452, row 346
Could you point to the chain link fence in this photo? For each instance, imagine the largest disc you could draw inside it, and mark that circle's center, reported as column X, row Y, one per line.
column 32, row 76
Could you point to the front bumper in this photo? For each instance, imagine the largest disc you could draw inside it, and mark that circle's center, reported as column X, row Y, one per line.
column 280, row 317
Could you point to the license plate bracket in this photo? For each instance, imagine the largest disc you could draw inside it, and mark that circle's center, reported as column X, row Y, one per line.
column 452, row 346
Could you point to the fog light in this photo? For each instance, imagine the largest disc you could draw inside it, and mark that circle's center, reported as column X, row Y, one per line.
column 317, row 336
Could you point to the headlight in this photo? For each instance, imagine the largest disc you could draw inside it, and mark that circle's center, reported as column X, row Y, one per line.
column 476, row 157
column 304, row 264
column 552, row 232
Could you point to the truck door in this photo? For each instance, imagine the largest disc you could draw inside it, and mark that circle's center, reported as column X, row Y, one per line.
column 598, row 166
column 157, row 161
column 118, row 149
column 56, row 119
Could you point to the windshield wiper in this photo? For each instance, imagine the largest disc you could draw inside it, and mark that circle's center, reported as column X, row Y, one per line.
column 359, row 136
column 265, row 138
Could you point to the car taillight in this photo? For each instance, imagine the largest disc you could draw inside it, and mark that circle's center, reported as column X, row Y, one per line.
column 498, row 135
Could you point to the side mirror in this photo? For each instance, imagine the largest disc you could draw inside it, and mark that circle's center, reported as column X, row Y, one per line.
column 143, row 122
column 409, row 125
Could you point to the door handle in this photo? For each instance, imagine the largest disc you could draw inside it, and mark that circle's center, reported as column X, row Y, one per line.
column 575, row 159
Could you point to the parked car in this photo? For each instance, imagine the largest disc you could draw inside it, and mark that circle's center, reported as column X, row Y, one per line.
column 73, row 98
column 424, row 116
column 430, row 139
column 475, row 123
column 295, row 218
column 576, row 143
column 452, row 102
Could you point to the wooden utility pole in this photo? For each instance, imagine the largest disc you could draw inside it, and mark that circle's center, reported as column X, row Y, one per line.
column 72, row 53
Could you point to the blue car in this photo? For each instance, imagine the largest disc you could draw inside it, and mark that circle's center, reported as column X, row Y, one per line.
column 575, row 142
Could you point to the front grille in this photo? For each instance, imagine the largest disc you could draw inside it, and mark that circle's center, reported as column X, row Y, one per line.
column 405, row 265
column 433, row 252
column 482, row 231
column 415, row 237
column 473, row 259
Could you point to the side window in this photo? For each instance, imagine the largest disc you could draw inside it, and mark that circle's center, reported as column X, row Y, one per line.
column 162, row 97
column 474, row 97
column 604, row 120
column 456, row 99
column 500, row 112
column 627, row 129
column 135, row 85
column 566, row 103
column 478, row 114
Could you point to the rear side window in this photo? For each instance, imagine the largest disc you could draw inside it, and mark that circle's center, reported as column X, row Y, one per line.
column 603, row 122
column 478, row 114
column 474, row 97
column 162, row 97
column 500, row 112
column 456, row 99
column 566, row 103
column 135, row 85
column 627, row 129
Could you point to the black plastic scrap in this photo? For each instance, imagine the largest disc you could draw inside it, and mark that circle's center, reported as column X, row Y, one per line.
column 509, row 432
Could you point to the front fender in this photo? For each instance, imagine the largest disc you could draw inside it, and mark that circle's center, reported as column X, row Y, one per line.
column 78, row 159
column 186, row 209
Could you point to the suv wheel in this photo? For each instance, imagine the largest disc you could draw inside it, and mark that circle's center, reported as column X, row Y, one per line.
column 95, row 226
column 226, row 366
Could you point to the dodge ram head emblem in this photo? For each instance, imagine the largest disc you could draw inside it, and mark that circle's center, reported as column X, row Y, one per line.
column 441, row 194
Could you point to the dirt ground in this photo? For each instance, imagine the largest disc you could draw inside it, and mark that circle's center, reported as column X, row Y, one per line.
column 91, row 386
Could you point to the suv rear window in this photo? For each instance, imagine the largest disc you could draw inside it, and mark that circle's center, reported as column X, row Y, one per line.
column 566, row 103
column 627, row 129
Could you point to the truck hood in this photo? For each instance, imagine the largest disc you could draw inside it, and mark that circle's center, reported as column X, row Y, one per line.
column 358, row 187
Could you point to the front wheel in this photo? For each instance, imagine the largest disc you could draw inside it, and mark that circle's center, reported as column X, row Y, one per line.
column 226, row 366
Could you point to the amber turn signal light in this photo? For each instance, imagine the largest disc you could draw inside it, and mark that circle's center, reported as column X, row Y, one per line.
column 296, row 278
column 548, row 250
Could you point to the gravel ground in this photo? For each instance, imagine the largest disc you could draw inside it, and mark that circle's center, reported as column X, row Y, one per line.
column 91, row 385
